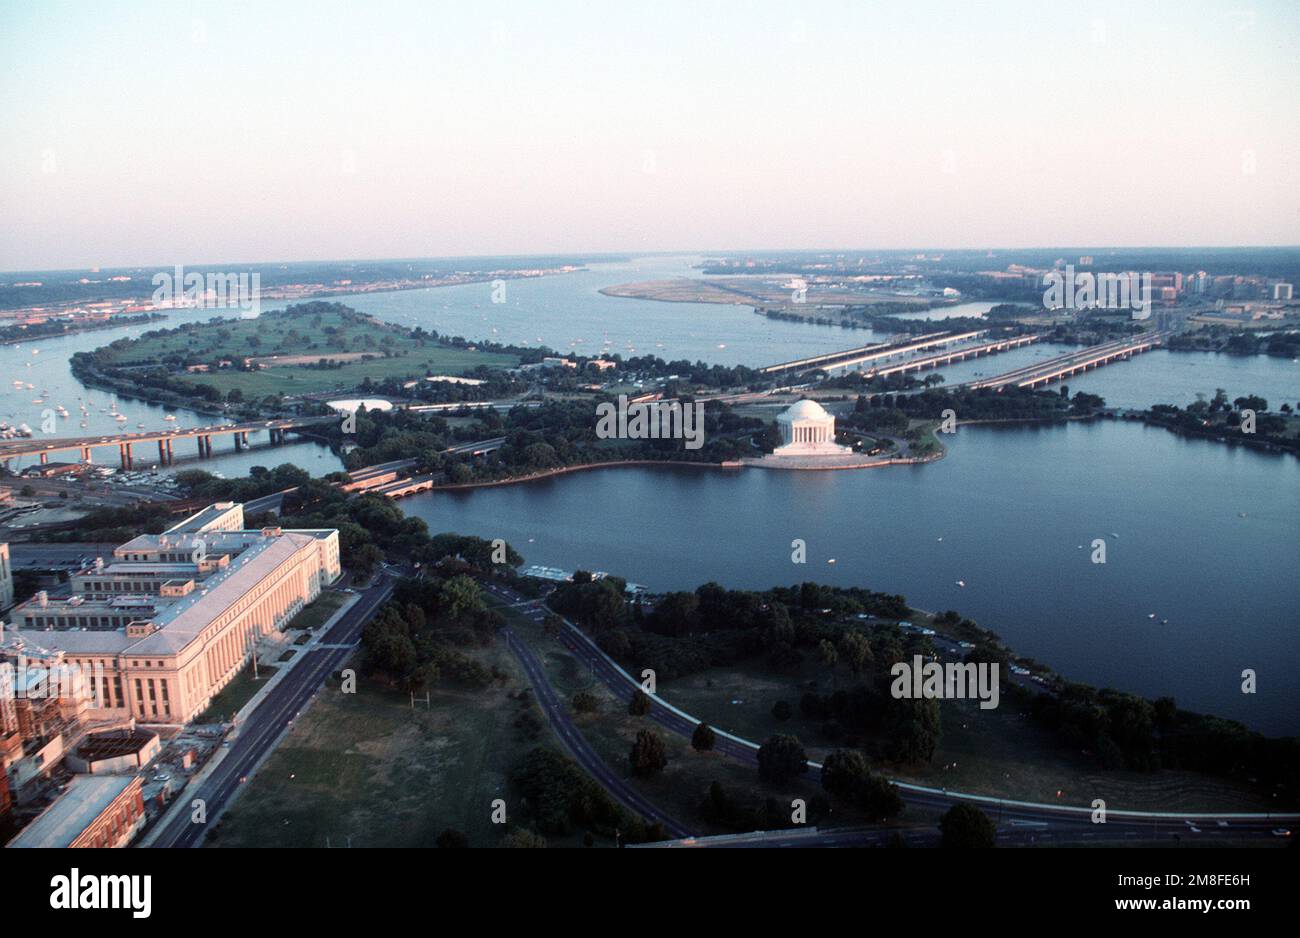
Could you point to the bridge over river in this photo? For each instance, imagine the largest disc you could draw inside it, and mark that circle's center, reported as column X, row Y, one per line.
column 1071, row 363
column 165, row 439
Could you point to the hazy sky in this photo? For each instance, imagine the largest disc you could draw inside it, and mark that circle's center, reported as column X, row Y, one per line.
column 172, row 132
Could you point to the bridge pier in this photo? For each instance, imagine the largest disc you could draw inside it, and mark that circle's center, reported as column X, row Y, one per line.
column 45, row 457
column 170, row 457
column 85, row 455
column 162, row 454
column 124, row 452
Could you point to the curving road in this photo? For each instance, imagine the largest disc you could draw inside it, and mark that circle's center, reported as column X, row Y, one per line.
column 1018, row 821
column 577, row 744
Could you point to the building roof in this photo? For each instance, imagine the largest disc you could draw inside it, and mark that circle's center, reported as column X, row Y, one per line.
column 805, row 410
column 180, row 621
column 85, row 799
column 99, row 746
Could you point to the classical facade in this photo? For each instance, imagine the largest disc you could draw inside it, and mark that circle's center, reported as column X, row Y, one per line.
column 172, row 618
column 807, row 430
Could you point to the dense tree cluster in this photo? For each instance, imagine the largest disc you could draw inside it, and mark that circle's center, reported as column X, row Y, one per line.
column 735, row 811
column 559, row 798
column 410, row 641
column 847, row 776
column 1123, row 731
column 965, row 826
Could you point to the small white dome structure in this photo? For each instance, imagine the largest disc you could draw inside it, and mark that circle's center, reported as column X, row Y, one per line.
column 807, row 429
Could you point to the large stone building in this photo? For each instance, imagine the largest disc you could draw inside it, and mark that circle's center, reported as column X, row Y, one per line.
column 172, row 618
column 807, row 430
column 94, row 811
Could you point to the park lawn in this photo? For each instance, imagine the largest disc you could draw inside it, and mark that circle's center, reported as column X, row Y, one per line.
column 235, row 694
column 683, row 784
column 396, row 353
column 318, row 611
column 366, row 766
column 999, row 752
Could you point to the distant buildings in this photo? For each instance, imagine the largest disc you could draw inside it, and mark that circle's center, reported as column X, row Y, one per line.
column 172, row 618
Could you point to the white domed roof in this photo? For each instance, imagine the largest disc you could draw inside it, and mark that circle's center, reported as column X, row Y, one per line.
column 805, row 410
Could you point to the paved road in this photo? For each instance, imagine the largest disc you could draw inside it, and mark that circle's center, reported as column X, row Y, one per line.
column 577, row 744
column 260, row 733
column 1017, row 821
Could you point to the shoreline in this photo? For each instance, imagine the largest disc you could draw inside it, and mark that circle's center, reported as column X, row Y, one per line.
column 746, row 463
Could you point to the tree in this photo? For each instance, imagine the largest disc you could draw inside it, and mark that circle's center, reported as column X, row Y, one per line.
column 829, row 656
column 703, row 739
column 648, row 755
column 781, row 758
column 460, row 596
column 966, row 826
column 842, row 770
column 584, row 702
column 782, row 710
column 914, row 729
column 855, row 650
column 846, row 775
column 364, row 560
column 639, row 705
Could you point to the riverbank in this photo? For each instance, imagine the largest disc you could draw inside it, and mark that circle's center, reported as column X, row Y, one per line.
column 581, row 467
column 15, row 335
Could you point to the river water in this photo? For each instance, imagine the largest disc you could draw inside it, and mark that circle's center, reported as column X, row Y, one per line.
column 1205, row 536
column 1197, row 533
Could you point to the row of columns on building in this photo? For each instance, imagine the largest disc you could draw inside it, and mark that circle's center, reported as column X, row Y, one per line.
column 810, row 435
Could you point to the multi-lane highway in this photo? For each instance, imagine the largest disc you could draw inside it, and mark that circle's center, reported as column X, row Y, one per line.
column 268, row 722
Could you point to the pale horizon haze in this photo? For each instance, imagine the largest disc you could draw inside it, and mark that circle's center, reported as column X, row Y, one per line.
column 156, row 133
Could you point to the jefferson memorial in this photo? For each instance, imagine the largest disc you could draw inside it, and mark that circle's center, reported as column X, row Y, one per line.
column 807, row 430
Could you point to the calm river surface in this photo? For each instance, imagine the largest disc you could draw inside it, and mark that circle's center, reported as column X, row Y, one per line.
column 1006, row 512
column 1205, row 536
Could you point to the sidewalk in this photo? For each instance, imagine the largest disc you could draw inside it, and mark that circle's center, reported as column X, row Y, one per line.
column 179, row 802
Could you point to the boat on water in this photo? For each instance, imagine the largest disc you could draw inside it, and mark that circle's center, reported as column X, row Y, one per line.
column 169, row 417
column 120, row 418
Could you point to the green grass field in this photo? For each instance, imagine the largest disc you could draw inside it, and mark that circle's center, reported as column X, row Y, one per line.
column 992, row 752
column 319, row 611
column 683, row 784
column 369, row 767
column 389, row 352
column 235, row 694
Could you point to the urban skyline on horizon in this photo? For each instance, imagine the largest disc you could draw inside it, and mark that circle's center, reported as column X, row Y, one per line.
column 504, row 130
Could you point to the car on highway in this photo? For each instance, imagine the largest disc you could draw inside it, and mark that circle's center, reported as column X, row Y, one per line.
column 1281, row 832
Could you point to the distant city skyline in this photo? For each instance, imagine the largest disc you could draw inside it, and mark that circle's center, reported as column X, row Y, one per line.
column 150, row 134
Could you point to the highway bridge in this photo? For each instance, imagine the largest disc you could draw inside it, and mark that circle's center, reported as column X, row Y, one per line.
column 1071, row 363
column 866, row 353
column 953, row 355
column 165, row 439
